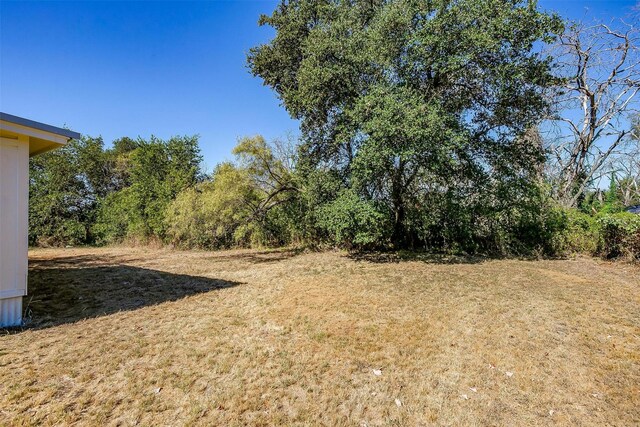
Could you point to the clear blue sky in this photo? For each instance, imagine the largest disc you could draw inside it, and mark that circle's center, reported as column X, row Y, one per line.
column 136, row 68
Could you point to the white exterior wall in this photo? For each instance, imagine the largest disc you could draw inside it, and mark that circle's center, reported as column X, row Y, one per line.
column 14, row 212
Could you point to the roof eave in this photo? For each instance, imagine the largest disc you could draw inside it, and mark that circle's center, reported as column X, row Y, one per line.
column 21, row 121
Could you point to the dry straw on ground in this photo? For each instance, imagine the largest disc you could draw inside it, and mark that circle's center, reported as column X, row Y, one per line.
column 152, row 337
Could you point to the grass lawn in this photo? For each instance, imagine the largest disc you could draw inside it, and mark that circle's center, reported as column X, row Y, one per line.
column 155, row 337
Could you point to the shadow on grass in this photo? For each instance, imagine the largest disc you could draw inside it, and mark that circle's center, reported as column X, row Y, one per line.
column 435, row 258
column 65, row 290
column 270, row 256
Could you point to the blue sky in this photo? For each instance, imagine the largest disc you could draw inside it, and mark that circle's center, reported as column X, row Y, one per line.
column 117, row 68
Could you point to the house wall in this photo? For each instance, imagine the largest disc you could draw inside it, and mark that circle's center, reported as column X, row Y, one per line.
column 14, row 211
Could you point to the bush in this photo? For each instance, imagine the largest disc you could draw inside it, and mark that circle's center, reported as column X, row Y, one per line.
column 619, row 236
column 353, row 222
column 581, row 232
column 62, row 232
column 117, row 218
column 492, row 225
column 539, row 228
column 609, row 235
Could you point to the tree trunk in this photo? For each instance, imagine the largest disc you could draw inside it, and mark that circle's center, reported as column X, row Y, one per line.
column 399, row 236
column 399, row 233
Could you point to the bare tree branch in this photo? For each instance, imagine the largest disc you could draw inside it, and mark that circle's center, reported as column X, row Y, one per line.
column 599, row 67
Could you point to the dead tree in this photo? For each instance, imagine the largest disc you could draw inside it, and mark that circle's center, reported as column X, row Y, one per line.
column 599, row 69
column 627, row 168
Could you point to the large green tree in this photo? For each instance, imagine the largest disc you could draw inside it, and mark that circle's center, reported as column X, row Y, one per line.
column 413, row 102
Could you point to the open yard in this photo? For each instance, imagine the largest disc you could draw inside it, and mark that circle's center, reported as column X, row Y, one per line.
column 155, row 337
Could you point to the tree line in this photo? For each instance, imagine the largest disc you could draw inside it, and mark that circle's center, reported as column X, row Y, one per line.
column 461, row 126
column 86, row 194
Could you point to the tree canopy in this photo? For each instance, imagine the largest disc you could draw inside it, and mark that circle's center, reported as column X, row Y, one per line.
column 412, row 101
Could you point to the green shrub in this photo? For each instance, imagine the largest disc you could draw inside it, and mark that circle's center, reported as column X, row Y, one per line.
column 619, row 236
column 63, row 232
column 581, row 232
column 610, row 235
column 117, row 218
column 539, row 228
column 353, row 222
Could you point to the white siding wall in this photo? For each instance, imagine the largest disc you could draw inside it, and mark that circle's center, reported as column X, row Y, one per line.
column 14, row 211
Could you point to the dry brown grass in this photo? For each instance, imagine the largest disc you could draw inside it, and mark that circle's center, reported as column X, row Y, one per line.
column 152, row 337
